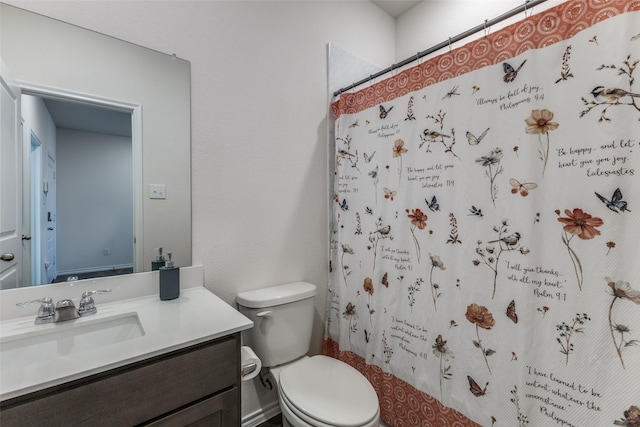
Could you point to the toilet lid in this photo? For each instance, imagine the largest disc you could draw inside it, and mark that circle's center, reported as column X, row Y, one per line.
column 330, row 391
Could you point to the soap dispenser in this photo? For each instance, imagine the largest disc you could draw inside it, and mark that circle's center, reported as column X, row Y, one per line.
column 169, row 280
column 159, row 261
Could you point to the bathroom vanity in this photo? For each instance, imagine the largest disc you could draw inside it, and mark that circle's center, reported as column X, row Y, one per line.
column 168, row 363
column 184, row 387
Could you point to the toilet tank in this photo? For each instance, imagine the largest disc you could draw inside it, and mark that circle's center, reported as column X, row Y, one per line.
column 283, row 321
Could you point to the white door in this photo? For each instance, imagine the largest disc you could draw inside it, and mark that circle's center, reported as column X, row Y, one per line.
column 50, row 209
column 10, row 182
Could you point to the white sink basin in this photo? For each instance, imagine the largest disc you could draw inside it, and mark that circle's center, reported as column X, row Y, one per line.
column 39, row 343
column 124, row 331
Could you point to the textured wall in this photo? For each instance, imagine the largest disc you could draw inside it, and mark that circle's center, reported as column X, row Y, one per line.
column 259, row 140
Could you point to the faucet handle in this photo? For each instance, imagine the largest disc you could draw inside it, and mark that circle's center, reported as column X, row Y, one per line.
column 87, row 294
column 46, row 312
column 45, row 300
column 87, row 305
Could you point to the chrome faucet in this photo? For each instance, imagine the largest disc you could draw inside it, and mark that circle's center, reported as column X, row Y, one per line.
column 64, row 309
column 87, row 305
column 46, row 312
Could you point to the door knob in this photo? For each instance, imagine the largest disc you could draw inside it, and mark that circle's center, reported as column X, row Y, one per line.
column 50, row 228
column 7, row 257
column 24, row 237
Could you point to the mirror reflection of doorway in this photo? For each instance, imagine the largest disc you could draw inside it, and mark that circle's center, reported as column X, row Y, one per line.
column 81, row 190
column 33, row 258
column 49, row 207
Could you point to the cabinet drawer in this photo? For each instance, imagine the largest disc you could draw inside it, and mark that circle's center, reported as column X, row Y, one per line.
column 216, row 411
column 132, row 394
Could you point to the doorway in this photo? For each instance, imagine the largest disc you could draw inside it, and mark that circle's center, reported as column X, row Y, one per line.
column 31, row 184
column 81, row 188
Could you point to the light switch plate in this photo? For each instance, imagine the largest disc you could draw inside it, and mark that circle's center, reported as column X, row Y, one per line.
column 157, row 191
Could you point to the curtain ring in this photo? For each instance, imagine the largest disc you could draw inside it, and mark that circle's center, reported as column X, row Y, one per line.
column 449, row 44
column 525, row 7
column 418, row 58
column 485, row 28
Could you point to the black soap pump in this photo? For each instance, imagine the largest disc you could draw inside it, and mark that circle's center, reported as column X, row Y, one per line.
column 169, row 280
column 159, row 261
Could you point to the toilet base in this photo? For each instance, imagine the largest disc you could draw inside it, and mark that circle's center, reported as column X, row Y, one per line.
column 285, row 414
column 291, row 419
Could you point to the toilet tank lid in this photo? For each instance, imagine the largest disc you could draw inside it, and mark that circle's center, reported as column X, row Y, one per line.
column 276, row 295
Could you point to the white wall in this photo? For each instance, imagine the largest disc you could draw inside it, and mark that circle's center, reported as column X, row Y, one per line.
column 40, row 123
column 95, row 201
column 434, row 21
column 258, row 113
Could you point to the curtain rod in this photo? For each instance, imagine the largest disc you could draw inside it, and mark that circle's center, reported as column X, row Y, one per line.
column 488, row 23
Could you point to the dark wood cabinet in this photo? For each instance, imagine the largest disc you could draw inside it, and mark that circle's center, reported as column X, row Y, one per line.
column 211, row 412
column 194, row 386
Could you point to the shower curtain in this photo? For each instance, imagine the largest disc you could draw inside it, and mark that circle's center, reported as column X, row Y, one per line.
column 485, row 221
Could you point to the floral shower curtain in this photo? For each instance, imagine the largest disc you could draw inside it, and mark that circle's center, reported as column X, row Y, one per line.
column 484, row 239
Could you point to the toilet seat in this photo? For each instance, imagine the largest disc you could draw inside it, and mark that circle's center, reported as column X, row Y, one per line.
column 323, row 391
column 295, row 418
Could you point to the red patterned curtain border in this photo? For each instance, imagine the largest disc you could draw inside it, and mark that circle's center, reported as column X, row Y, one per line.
column 540, row 30
column 400, row 402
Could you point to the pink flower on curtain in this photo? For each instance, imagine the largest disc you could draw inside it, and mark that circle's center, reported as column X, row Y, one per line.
column 368, row 288
column 435, row 263
column 443, row 353
column 621, row 290
column 398, row 151
column 351, row 315
column 482, row 318
column 539, row 123
column 419, row 221
column 368, row 285
column 346, row 249
column 382, row 232
column 631, row 417
column 581, row 224
column 491, row 161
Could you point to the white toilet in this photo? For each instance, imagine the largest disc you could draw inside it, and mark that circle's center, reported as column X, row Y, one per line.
column 316, row 391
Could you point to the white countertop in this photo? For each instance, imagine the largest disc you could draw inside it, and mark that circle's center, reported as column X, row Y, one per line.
column 196, row 316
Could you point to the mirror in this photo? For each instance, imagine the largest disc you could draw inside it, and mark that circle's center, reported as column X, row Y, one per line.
column 89, row 174
column 52, row 61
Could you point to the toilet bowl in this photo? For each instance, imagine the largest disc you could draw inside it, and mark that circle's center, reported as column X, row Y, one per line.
column 320, row 391
column 316, row 391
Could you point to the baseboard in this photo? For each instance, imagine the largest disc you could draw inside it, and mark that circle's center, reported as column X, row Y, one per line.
column 261, row 415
